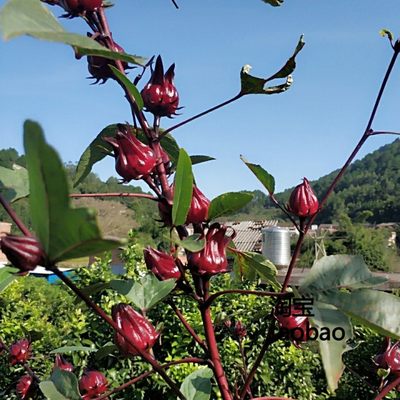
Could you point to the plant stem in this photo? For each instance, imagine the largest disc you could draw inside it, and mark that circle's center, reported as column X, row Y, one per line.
column 388, row 388
column 13, row 215
column 238, row 96
column 100, row 312
column 373, row 133
column 188, row 360
column 213, row 349
column 139, row 195
column 214, row 296
column 187, row 326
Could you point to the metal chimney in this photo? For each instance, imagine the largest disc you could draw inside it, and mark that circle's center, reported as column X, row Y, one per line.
column 276, row 245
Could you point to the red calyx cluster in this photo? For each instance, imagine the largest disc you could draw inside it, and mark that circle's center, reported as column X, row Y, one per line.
column 79, row 7
column 25, row 387
column 212, row 258
column 62, row 364
column 161, row 264
column 389, row 357
column 133, row 159
column 23, row 252
column 239, row 330
column 92, row 384
column 138, row 328
column 20, row 352
column 303, row 202
column 160, row 96
column 99, row 66
column 293, row 322
column 198, row 211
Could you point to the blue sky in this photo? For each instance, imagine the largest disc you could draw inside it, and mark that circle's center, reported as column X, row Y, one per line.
column 306, row 131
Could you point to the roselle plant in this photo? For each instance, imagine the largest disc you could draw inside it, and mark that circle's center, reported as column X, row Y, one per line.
column 336, row 288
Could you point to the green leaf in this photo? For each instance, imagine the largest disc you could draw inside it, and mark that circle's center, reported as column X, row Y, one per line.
column 254, row 85
column 169, row 144
column 197, row 385
column 373, row 308
column 267, row 271
column 262, row 175
column 32, row 18
column 69, row 349
column 334, row 272
column 129, row 86
column 198, row 159
column 147, row 292
column 66, row 383
column 183, row 189
column 64, row 232
column 192, row 243
column 274, row 3
column 7, row 276
column 50, row 391
column 326, row 316
column 14, row 183
column 105, row 351
column 228, row 203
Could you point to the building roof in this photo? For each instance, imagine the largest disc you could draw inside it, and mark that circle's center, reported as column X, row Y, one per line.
column 248, row 233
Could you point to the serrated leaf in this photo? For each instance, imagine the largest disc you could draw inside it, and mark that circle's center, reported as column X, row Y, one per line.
column 64, row 232
column 326, row 316
column 228, row 203
column 338, row 271
column 50, row 391
column 70, row 349
column 197, row 385
column 267, row 271
column 183, row 188
column 262, row 175
column 274, row 3
column 66, row 383
column 129, row 86
column 147, row 292
column 32, row 18
column 7, row 276
column 373, row 308
column 254, row 85
column 14, row 183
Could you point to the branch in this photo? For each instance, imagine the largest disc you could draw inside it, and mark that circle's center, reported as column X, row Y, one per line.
column 387, row 389
column 384, row 133
column 139, row 195
column 13, row 215
column 188, row 360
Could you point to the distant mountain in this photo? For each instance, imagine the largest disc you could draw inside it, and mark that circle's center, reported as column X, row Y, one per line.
column 368, row 192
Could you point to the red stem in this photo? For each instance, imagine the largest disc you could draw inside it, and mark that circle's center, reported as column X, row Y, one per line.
column 139, row 195
column 147, row 357
column 387, row 389
column 21, row 226
column 188, row 360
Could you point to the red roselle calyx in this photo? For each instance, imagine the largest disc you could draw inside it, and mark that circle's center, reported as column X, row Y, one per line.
column 212, row 258
column 161, row 264
column 133, row 159
column 389, row 357
column 239, row 330
column 198, row 211
column 138, row 328
column 303, row 202
column 160, row 96
column 23, row 252
column 25, row 387
column 62, row 364
column 77, row 7
column 99, row 66
column 20, row 352
column 293, row 325
column 92, row 384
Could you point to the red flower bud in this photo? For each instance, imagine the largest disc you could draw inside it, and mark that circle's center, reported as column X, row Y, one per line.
column 212, row 259
column 76, row 7
column 198, row 211
column 23, row 252
column 133, row 159
column 92, row 384
column 161, row 264
column 138, row 328
column 20, row 352
column 62, row 364
column 160, row 96
column 389, row 357
column 303, row 202
column 25, row 387
column 293, row 323
column 239, row 330
column 99, row 66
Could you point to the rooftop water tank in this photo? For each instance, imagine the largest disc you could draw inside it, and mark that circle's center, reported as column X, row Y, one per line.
column 276, row 245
